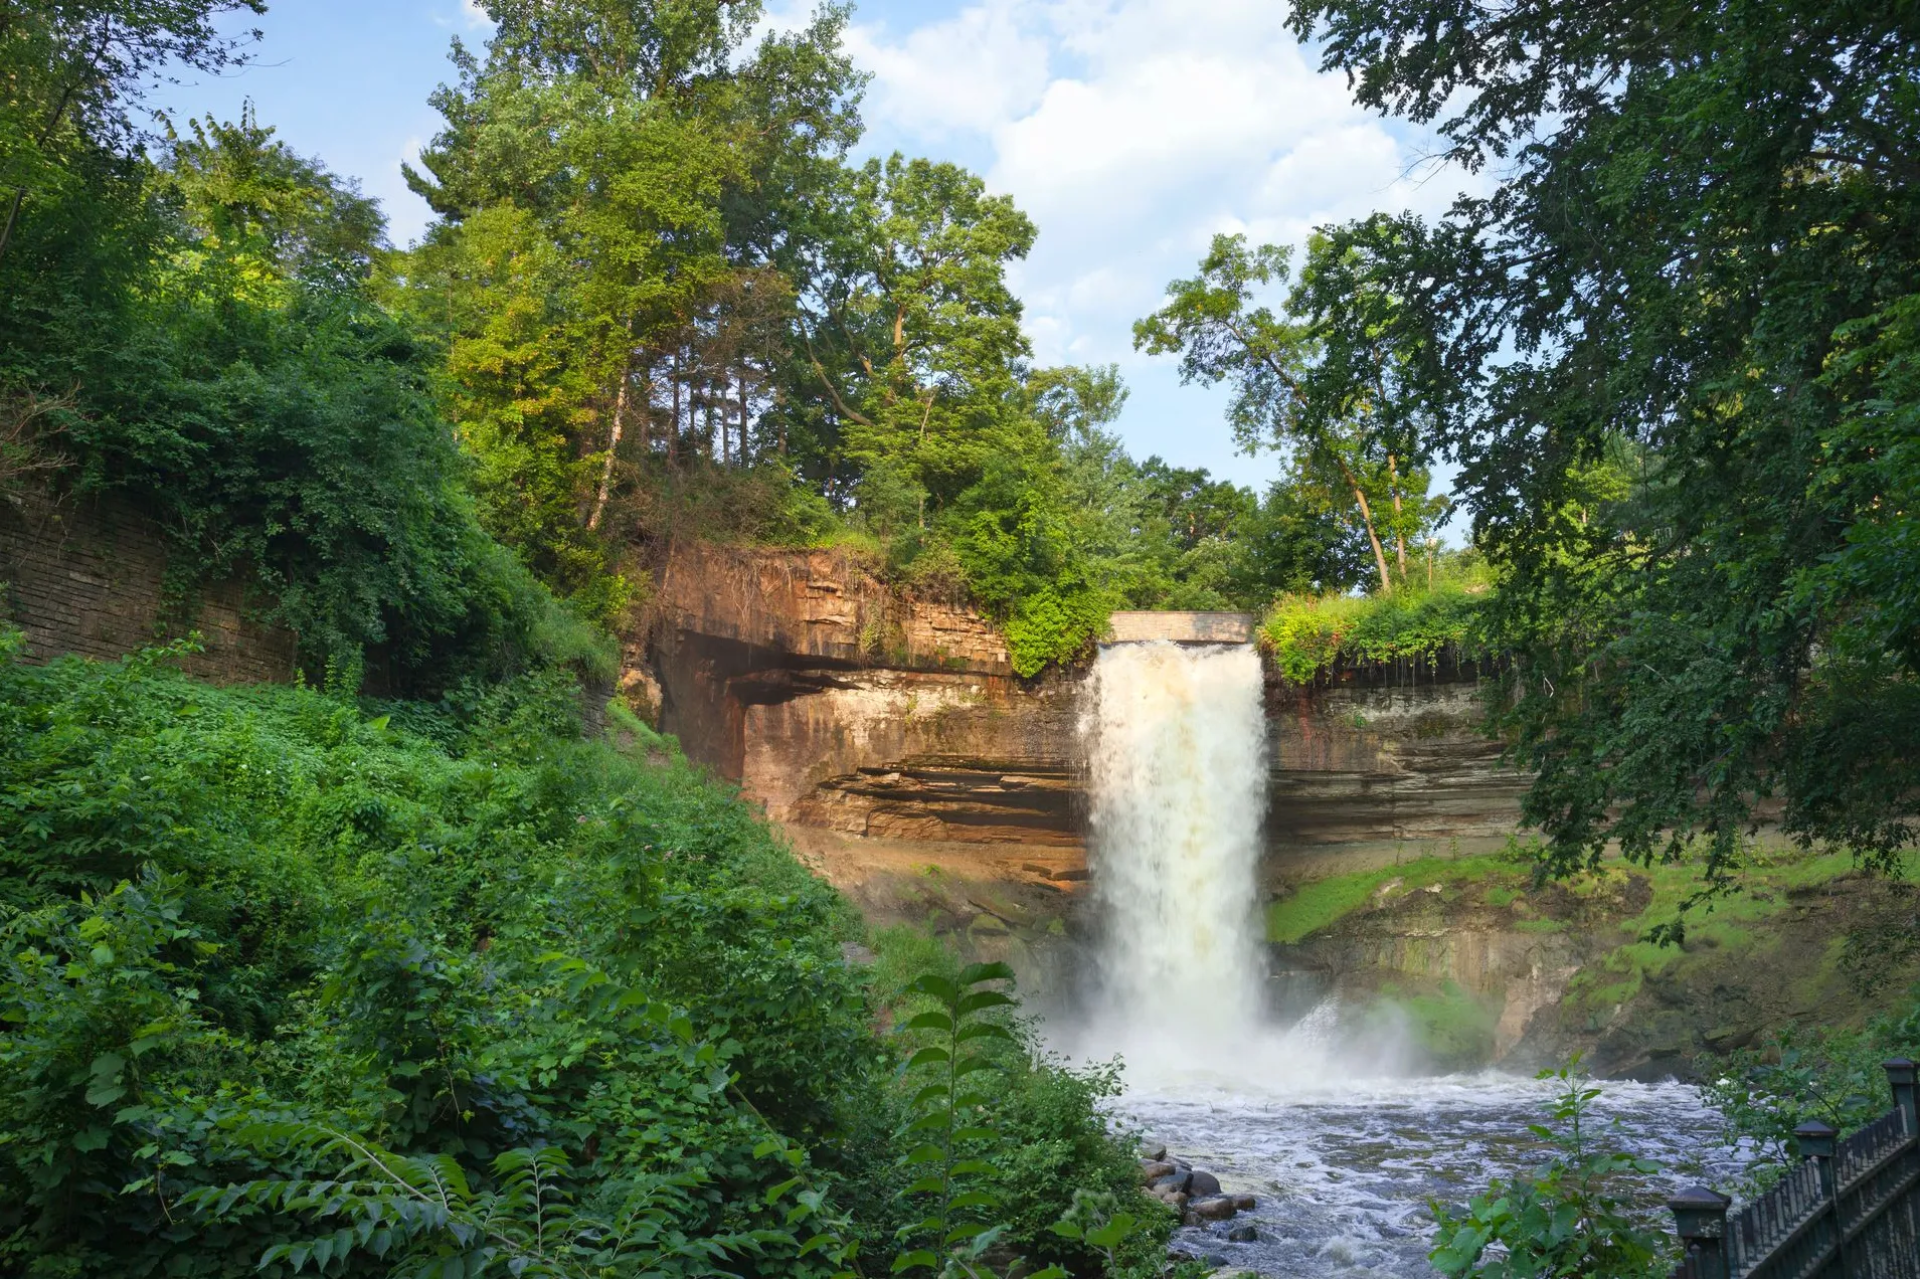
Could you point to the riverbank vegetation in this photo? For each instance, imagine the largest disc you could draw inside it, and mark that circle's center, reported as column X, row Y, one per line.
column 288, row 976
column 1812, row 937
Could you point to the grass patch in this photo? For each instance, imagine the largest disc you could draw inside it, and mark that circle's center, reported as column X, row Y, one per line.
column 1322, row 902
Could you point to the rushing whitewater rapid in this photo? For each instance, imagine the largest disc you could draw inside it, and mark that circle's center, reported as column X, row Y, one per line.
column 1342, row 1153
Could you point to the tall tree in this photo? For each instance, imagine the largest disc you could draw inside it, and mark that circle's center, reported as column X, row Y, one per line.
column 1291, row 391
column 1700, row 256
column 610, row 180
column 72, row 74
column 914, row 335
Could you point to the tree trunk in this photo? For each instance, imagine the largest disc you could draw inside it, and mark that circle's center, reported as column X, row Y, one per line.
column 673, row 431
column 1366, row 517
column 740, row 436
column 646, row 412
column 13, row 216
column 613, row 445
column 1399, row 529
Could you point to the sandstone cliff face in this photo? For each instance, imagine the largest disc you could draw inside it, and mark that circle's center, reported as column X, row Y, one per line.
column 887, row 734
column 839, row 706
column 1383, row 756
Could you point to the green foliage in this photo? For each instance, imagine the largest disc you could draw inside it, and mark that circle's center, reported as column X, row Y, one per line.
column 944, row 1128
column 1570, row 1219
column 197, row 336
column 348, row 924
column 289, row 981
column 421, row 1216
column 1097, row 1221
column 1825, row 1073
column 1672, row 347
column 73, row 74
column 1059, row 1159
column 1352, row 439
column 1310, row 635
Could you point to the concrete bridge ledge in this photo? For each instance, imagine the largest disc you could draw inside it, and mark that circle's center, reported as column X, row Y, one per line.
column 1181, row 628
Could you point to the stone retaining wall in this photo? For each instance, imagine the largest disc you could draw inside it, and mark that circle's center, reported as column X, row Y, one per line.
column 89, row 577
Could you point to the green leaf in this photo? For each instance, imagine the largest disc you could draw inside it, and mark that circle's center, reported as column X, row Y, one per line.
column 982, row 1030
column 982, row 999
column 935, row 985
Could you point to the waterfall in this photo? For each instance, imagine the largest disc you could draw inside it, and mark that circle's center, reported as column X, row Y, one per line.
column 1176, row 739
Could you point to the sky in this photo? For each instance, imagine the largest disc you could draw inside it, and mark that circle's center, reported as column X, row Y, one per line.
column 1130, row 131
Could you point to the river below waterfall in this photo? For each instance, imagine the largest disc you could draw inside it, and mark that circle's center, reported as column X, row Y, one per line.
column 1341, row 1150
column 1343, row 1172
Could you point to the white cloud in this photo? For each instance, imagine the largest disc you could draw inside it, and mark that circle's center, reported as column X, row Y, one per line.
column 973, row 71
column 1132, row 131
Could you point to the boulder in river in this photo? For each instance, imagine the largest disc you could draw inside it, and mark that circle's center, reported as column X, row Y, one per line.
column 1153, row 1170
column 1211, row 1208
column 1204, row 1185
column 1153, row 1153
column 1244, row 1203
column 1180, row 1179
column 1242, row 1234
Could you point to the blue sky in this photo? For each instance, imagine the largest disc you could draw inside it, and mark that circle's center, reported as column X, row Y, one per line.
column 1130, row 130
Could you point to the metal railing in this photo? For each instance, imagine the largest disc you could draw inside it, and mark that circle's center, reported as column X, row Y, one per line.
column 1851, row 1211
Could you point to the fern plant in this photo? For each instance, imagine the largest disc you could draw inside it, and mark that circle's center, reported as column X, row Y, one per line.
column 423, row 1217
column 949, row 1126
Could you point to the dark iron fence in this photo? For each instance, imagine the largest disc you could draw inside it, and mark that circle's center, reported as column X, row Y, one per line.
column 1850, row 1211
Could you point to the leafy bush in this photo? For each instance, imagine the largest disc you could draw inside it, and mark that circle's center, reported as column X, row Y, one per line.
column 1568, row 1219
column 280, row 979
column 204, row 329
column 1309, row 634
column 1833, row 1075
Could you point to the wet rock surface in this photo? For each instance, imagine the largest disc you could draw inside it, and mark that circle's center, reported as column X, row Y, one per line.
column 1192, row 1192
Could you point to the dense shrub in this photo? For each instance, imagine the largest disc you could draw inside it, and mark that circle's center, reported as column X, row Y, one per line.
column 1832, row 1074
column 254, row 936
column 1309, row 634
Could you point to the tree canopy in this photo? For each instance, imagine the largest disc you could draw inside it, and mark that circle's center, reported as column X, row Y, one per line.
column 1673, row 353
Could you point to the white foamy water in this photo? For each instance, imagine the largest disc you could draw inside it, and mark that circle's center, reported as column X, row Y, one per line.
column 1342, row 1153
column 1343, row 1171
column 1176, row 741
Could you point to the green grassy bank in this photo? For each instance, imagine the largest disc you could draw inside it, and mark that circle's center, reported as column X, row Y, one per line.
column 1809, row 939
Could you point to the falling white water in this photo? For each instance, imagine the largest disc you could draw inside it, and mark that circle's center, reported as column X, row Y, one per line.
column 1177, row 743
column 1342, row 1153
